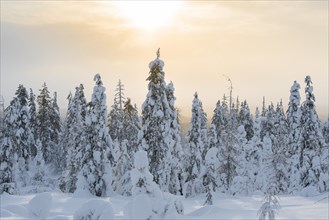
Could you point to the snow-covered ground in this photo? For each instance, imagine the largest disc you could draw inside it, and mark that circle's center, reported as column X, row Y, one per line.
column 56, row 205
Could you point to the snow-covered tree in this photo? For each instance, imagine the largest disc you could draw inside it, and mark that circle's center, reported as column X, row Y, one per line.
column 325, row 131
column 279, row 147
column 33, row 121
column 74, row 139
column 39, row 166
column 197, row 142
column 210, row 173
column 96, row 169
column 131, row 125
column 116, row 116
column 58, row 160
column 228, row 151
column 155, row 135
column 19, row 136
column 121, row 172
column 220, row 118
column 148, row 201
column 245, row 119
column 271, row 189
column 176, row 179
column 8, row 155
column 293, row 119
column 314, row 167
column 44, row 123
column 244, row 181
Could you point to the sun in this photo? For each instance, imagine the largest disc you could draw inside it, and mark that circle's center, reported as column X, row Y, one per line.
column 149, row 15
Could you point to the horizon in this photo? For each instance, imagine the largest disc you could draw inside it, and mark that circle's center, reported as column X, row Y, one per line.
column 261, row 46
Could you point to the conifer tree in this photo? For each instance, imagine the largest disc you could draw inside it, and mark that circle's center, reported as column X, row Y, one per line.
column 294, row 151
column 220, row 118
column 8, row 155
column 155, row 132
column 116, row 115
column 33, row 121
column 131, row 125
column 210, row 174
column 44, row 123
column 245, row 119
column 74, row 139
column 58, row 161
column 20, row 135
column 23, row 134
column 228, row 150
column 313, row 161
column 196, row 148
column 176, row 179
column 96, row 169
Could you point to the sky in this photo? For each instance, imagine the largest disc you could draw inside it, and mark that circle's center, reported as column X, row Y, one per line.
column 262, row 46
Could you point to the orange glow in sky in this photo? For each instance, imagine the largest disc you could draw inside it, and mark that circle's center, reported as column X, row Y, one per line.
column 263, row 46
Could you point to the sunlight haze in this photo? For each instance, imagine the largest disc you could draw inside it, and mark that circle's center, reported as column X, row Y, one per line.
column 263, row 46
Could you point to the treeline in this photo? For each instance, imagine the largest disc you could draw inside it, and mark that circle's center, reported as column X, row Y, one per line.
column 274, row 151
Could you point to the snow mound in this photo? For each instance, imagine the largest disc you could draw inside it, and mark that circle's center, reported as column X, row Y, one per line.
column 5, row 213
column 40, row 204
column 17, row 210
column 94, row 209
column 141, row 207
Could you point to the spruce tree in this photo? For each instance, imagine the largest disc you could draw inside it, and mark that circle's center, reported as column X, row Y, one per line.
column 210, row 174
column 33, row 121
column 176, row 179
column 131, row 125
column 245, row 119
column 196, row 148
column 74, row 139
column 58, row 161
column 313, row 161
column 8, row 155
column 155, row 133
column 96, row 169
column 294, row 151
column 228, row 150
column 44, row 123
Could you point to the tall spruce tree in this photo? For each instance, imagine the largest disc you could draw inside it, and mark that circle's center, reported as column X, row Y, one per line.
column 245, row 119
column 196, row 148
column 8, row 155
column 74, row 139
column 293, row 119
column 33, row 121
column 131, row 125
column 58, row 161
column 96, row 170
column 155, row 135
column 176, row 179
column 44, row 123
column 314, row 154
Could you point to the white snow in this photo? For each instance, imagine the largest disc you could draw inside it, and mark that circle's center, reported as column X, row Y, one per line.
column 39, row 205
column 65, row 205
column 94, row 209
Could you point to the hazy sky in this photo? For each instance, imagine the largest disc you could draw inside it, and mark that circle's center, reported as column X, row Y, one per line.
column 263, row 46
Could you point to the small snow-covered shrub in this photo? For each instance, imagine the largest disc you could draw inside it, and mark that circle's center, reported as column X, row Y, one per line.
column 94, row 210
column 39, row 205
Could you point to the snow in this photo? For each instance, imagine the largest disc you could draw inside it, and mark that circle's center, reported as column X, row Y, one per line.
column 141, row 160
column 66, row 205
column 94, row 209
column 39, row 205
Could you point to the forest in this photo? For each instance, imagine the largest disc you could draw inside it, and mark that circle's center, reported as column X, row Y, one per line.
column 104, row 151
